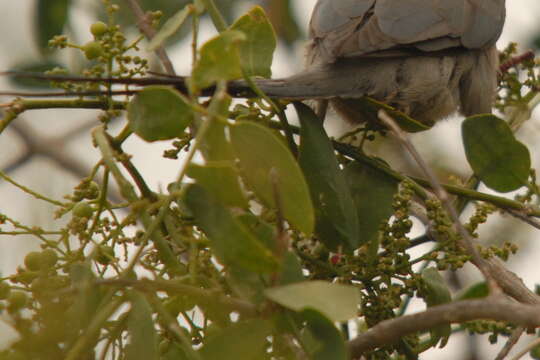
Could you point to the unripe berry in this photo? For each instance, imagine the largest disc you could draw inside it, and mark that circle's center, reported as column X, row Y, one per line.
column 92, row 50
column 98, row 28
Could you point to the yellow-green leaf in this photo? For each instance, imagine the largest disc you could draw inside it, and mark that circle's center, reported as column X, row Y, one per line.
column 219, row 59
column 270, row 169
column 495, row 155
column 232, row 242
column 256, row 53
column 221, row 180
column 337, row 219
column 337, row 302
column 158, row 113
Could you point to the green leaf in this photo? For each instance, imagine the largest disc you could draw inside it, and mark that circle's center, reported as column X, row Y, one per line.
column 243, row 341
column 221, row 180
column 262, row 230
column 51, row 17
column 436, row 293
column 232, row 242
column 373, row 193
column 215, row 146
column 87, row 300
column 143, row 343
column 170, row 27
column 496, row 157
column 270, row 169
column 475, row 291
column 337, row 302
column 291, row 269
column 158, row 113
column 256, row 53
column 219, row 60
column 337, row 219
column 323, row 339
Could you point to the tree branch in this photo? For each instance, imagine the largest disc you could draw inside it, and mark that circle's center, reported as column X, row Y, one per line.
column 493, row 308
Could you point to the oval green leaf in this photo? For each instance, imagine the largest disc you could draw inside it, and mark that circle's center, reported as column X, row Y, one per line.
column 219, row 59
column 270, row 169
column 495, row 155
column 257, row 51
column 337, row 302
column 243, row 340
column 232, row 242
column 323, row 340
column 337, row 219
column 373, row 193
column 143, row 343
column 221, row 180
column 158, row 113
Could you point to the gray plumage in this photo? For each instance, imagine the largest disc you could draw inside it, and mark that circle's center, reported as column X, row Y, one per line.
column 428, row 58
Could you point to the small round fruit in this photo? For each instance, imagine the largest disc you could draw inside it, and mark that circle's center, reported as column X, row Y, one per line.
column 32, row 261
column 92, row 50
column 83, row 209
column 98, row 28
column 48, row 258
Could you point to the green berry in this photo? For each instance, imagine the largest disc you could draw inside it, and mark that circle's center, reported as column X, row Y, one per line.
column 16, row 300
column 32, row 261
column 98, row 28
column 48, row 258
column 92, row 50
column 83, row 209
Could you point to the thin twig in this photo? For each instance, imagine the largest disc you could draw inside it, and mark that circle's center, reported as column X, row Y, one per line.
column 523, row 217
column 528, row 348
column 495, row 308
column 144, row 26
column 514, row 338
column 528, row 55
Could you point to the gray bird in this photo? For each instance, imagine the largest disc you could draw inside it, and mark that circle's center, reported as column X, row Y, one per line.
column 428, row 58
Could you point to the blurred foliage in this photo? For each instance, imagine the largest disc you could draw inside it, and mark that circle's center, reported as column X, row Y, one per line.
column 269, row 244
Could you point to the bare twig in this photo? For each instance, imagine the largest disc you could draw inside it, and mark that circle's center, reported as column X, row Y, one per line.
column 466, row 240
column 528, row 348
column 523, row 217
column 528, row 55
column 495, row 308
column 514, row 338
column 143, row 22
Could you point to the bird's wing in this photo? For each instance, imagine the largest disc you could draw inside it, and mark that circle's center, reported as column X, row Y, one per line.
column 351, row 28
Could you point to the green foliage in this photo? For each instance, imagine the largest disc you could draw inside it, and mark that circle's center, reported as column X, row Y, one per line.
column 497, row 158
column 271, row 171
column 268, row 246
column 337, row 219
column 158, row 113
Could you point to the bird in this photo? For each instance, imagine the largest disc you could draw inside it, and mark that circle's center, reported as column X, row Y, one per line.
column 427, row 58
